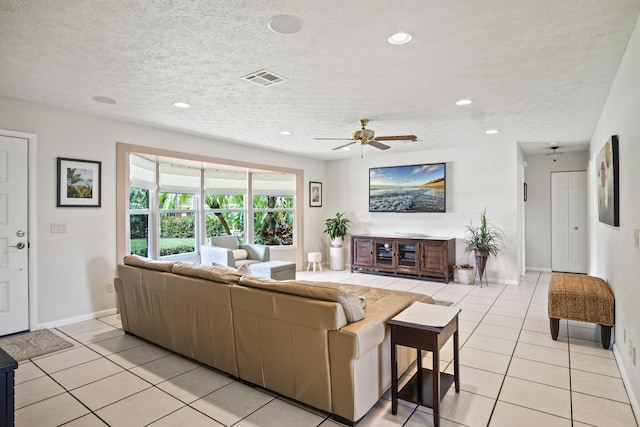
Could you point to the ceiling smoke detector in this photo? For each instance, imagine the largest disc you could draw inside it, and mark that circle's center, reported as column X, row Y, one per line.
column 264, row 78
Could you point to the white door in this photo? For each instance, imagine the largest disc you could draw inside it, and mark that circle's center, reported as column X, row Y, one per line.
column 14, row 236
column 569, row 222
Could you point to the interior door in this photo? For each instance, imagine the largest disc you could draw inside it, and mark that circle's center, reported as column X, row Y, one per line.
column 14, row 237
column 569, row 222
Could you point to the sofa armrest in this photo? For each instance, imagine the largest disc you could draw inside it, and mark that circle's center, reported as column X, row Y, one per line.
column 211, row 254
column 258, row 252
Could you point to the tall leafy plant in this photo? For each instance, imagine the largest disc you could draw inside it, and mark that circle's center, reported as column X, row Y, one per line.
column 484, row 238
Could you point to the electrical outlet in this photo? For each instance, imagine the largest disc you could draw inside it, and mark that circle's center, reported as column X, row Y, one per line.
column 633, row 356
column 636, row 238
column 625, row 335
column 109, row 288
column 630, row 347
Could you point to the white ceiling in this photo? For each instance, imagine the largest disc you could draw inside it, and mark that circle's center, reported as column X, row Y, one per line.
column 537, row 70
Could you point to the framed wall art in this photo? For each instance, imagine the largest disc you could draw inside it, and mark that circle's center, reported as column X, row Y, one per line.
column 79, row 183
column 315, row 194
column 411, row 188
column 608, row 177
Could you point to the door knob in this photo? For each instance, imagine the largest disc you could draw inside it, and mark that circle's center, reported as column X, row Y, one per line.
column 19, row 245
column 575, row 228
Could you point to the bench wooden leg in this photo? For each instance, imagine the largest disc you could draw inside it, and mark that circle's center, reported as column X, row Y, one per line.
column 555, row 327
column 605, row 334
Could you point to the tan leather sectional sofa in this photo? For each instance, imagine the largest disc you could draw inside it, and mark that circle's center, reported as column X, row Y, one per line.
column 310, row 341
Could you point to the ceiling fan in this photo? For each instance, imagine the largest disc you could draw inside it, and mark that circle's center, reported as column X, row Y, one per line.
column 367, row 137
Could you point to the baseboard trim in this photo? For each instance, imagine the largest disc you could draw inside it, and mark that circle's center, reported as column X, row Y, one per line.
column 82, row 318
column 626, row 379
column 542, row 269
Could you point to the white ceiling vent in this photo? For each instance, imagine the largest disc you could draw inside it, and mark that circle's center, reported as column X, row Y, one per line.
column 264, row 78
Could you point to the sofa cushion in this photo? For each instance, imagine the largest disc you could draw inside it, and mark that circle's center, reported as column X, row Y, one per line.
column 216, row 273
column 324, row 291
column 151, row 264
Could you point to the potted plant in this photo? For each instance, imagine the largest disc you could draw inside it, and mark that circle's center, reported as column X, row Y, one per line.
column 483, row 240
column 336, row 228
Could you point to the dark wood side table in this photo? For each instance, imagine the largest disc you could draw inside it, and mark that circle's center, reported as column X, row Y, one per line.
column 7, row 367
column 424, row 327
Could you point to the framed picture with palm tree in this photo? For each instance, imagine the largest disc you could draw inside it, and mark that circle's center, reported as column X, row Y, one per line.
column 79, row 183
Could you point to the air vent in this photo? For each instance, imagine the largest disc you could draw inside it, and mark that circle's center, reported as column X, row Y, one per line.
column 264, row 78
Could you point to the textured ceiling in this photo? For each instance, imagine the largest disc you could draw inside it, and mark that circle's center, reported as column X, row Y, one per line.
column 537, row 70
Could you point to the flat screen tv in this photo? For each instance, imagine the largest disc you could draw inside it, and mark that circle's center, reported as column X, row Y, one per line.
column 412, row 188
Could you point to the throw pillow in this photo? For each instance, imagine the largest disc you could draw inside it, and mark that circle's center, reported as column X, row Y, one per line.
column 240, row 254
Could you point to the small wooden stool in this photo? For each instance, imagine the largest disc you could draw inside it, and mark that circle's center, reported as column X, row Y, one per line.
column 582, row 298
column 314, row 258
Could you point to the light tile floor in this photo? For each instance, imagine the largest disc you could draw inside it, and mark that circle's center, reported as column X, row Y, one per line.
column 512, row 373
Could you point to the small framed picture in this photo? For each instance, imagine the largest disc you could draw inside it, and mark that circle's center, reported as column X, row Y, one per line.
column 315, row 194
column 79, row 183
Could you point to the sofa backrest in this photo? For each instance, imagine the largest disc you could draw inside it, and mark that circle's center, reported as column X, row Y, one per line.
column 282, row 342
column 186, row 314
column 324, row 291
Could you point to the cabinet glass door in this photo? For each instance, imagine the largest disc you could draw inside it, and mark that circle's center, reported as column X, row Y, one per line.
column 384, row 254
column 407, row 255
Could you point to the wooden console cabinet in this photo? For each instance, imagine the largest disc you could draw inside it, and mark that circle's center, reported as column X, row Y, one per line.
column 427, row 257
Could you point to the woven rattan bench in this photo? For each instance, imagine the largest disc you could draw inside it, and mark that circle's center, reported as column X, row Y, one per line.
column 582, row 298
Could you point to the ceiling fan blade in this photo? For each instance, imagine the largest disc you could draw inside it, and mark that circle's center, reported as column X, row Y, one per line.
column 334, row 139
column 379, row 145
column 396, row 138
column 345, row 145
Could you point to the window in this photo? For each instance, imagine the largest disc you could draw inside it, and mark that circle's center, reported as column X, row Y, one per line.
column 142, row 184
column 224, row 203
column 273, row 208
column 178, row 209
column 139, row 221
column 177, row 223
column 176, row 205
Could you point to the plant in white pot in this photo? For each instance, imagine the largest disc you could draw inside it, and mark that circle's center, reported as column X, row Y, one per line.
column 483, row 240
column 336, row 228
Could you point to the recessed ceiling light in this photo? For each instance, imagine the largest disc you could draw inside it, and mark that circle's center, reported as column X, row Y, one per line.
column 104, row 100
column 285, row 132
column 181, row 105
column 285, row 24
column 346, row 148
column 464, row 102
column 492, row 132
column 400, row 38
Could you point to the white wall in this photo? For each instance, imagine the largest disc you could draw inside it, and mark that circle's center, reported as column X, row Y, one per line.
column 538, row 205
column 72, row 269
column 613, row 255
column 477, row 177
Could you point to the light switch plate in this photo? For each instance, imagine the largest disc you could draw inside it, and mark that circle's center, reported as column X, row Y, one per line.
column 58, row 227
column 636, row 238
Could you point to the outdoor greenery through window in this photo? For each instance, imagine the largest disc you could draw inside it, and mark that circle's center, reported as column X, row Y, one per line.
column 273, row 220
column 139, row 221
column 177, row 223
column 225, row 214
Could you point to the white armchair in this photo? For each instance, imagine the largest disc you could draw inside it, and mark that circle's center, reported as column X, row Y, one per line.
column 227, row 251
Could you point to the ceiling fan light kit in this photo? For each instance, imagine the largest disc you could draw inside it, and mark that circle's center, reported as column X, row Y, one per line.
column 366, row 136
column 554, row 155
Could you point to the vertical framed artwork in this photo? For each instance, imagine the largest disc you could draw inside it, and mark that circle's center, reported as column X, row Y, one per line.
column 315, row 194
column 607, row 177
column 79, row 183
